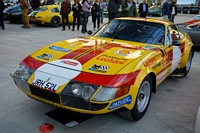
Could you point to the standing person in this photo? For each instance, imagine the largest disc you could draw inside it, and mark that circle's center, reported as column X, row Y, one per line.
column 166, row 10
column 96, row 14
column 1, row 14
column 128, row 9
column 24, row 7
column 173, row 9
column 102, row 7
column 114, row 9
column 46, row 2
column 86, row 12
column 77, row 9
column 143, row 9
column 35, row 4
column 64, row 12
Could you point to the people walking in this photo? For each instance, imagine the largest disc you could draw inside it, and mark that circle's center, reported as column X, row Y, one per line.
column 166, row 10
column 114, row 9
column 102, row 7
column 96, row 14
column 173, row 9
column 24, row 6
column 128, row 9
column 86, row 12
column 143, row 9
column 77, row 9
column 1, row 14
column 64, row 12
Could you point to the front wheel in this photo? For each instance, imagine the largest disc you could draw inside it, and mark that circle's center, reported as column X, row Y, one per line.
column 142, row 101
column 186, row 69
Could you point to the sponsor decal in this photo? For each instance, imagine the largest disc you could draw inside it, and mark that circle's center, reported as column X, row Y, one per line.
column 149, row 62
column 69, row 62
column 118, row 103
column 162, row 76
column 45, row 56
column 148, row 47
column 156, row 65
column 123, row 52
column 99, row 68
column 111, row 59
column 59, row 49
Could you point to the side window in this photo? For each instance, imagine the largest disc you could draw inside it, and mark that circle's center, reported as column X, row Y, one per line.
column 55, row 10
column 168, row 37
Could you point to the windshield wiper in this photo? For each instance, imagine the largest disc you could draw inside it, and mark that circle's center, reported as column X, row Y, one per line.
column 113, row 35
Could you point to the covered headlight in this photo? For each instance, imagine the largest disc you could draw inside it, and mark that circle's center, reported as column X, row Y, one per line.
column 22, row 72
column 106, row 93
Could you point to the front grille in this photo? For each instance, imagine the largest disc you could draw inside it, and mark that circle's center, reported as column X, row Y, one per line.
column 45, row 94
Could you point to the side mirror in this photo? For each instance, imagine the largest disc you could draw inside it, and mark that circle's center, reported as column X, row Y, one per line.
column 176, row 43
column 89, row 32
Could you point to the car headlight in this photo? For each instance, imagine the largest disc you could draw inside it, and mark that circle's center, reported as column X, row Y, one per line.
column 22, row 72
column 76, row 89
column 87, row 92
column 106, row 93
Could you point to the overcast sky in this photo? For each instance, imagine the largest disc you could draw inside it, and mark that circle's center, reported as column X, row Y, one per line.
column 185, row 1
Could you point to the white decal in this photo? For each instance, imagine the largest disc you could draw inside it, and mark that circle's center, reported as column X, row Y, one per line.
column 161, row 76
column 56, row 73
column 176, row 57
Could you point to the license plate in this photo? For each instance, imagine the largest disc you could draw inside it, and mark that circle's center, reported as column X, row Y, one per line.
column 45, row 85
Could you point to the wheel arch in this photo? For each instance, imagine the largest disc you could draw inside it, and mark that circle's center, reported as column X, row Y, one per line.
column 153, row 78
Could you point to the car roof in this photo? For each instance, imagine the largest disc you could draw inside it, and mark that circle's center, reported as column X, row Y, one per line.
column 50, row 6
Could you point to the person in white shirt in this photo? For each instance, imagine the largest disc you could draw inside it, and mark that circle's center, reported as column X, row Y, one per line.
column 173, row 9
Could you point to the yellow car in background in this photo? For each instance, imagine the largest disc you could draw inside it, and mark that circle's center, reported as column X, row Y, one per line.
column 49, row 14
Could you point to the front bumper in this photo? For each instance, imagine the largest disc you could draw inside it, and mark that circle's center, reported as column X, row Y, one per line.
column 72, row 103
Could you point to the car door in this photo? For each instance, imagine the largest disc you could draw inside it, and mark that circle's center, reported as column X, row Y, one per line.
column 173, row 52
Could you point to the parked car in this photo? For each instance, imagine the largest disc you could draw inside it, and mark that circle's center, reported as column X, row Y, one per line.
column 117, row 68
column 193, row 29
column 155, row 11
column 197, row 17
column 194, row 10
column 185, row 9
column 49, row 14
column 179, row 9
column 14, row 13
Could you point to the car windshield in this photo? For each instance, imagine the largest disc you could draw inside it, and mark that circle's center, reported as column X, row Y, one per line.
column 41, row 9
column 137, row 31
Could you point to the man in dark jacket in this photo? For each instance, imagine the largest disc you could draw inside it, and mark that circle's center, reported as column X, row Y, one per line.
column 35, row 4
column 128, row 9
column 143, row 9
column 64, row 12
column 114, row 9
column 1, row 14
column 166, row 10
column 77, row 9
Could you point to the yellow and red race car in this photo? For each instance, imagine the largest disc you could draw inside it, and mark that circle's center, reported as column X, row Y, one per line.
column 117, row 68
column 48, row 14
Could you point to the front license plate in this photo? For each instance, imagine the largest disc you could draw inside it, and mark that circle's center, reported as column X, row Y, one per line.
column 45, row 85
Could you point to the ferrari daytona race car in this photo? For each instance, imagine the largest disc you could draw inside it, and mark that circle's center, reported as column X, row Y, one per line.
column 117, row 68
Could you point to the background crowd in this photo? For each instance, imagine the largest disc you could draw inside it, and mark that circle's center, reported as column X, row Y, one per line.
column 116, row 8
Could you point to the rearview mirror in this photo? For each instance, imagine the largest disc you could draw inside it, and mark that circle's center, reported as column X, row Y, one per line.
column 176, row 43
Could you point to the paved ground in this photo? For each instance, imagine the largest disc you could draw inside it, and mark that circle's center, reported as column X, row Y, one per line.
column 173, row 109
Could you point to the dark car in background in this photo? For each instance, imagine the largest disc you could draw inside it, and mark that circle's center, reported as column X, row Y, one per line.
column 192, row 28
column 194, row 10
column 185, row 9
column 179, row 9
column 14, row 13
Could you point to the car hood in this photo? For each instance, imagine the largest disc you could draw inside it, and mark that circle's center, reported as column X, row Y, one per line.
column 91, row 55
column 11, row 9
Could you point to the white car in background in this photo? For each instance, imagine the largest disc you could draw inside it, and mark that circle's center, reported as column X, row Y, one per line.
column 197, row 17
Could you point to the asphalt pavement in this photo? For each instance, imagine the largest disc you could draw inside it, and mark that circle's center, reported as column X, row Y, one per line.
column 173, row 109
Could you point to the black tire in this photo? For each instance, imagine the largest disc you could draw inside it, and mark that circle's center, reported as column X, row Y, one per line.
column 138, row 112
column 186, row 69
column 55, row 22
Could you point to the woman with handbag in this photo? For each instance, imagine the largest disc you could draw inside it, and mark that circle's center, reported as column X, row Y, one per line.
column 96, row 14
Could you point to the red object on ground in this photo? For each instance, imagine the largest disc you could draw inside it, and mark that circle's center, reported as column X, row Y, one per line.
column 46, row 127
column 192, row 21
